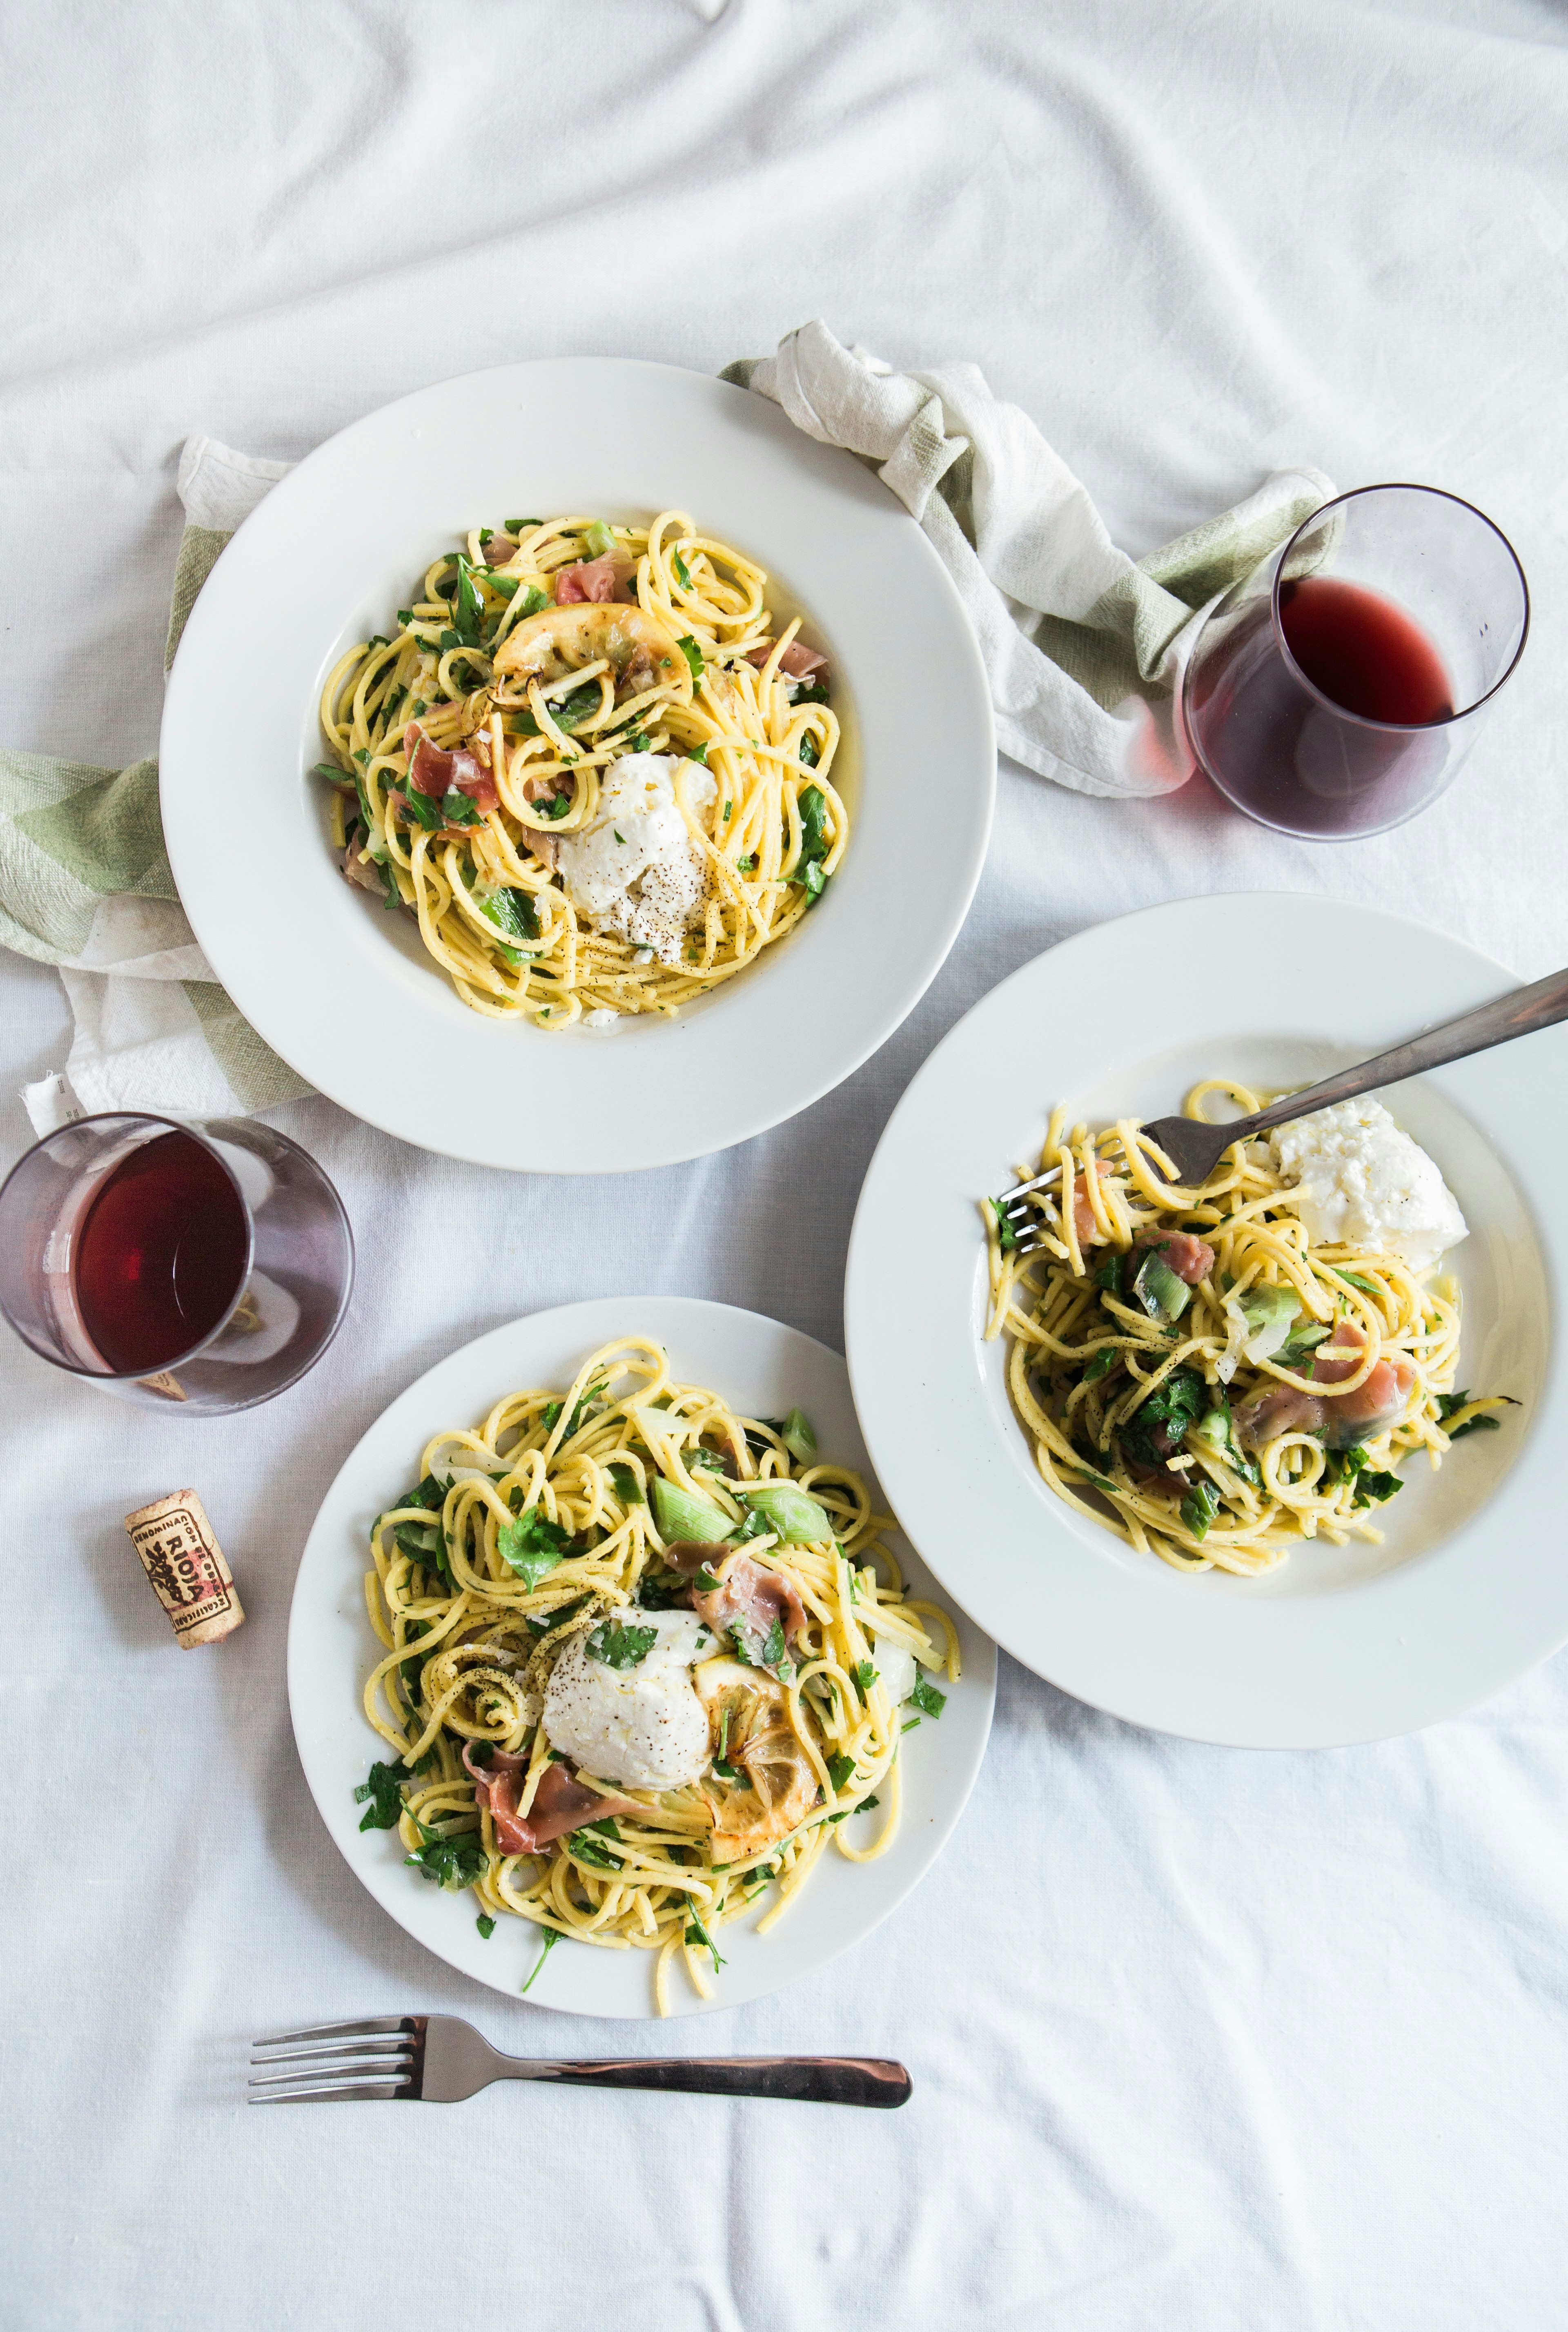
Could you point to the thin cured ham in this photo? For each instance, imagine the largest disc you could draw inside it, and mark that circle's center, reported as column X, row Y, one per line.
column 596, row 581
column 750, row 1598
column 560, row 1803
column 1089, row 1230
column 1340, row 1419
column 1190, row 1259
column 435, row 773
column 797, row 662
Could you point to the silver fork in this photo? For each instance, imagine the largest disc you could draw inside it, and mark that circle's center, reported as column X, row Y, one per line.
column 1195, row 1148
column 441, row 2060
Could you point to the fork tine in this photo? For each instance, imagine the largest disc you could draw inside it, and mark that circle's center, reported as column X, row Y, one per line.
column 392, row 2090
column 311, row 2076
column 409, row 2024
column 390, row 2044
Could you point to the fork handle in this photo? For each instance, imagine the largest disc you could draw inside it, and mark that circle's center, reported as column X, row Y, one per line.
column 1520, row 1013
column 815, row 2080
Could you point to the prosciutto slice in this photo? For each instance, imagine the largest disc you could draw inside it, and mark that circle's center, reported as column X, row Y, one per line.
column 560, row 1803
column 430, row 771
column 1084, row 1223
column 750, row 1598
column 1190, row 1258
column 1342, row 1419
column 598, row 579
column 797, row 662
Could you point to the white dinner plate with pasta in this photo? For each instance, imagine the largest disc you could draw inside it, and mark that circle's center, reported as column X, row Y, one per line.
column 613, row 1679
column 550, row 763
column 1272, row 1461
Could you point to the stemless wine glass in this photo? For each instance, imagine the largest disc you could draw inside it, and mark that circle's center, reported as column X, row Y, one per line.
column 260, row 1271
column 1422, row 584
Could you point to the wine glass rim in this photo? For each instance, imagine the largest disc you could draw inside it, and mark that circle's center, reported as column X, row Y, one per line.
column 192, row 1352
column 1361, row 720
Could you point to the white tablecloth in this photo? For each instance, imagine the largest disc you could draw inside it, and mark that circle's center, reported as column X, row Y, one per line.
column 1200, row 2038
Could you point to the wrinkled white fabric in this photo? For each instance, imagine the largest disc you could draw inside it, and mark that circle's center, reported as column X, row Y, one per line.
column 1038, row 547
column 1202, row 2040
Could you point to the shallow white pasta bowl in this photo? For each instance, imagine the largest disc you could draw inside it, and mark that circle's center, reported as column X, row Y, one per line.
column 1354, row 1643
column 345, row 992
column 761, row 1369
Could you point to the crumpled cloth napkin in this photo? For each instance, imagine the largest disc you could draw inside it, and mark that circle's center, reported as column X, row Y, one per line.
column 1083, row 648
column 85, row 884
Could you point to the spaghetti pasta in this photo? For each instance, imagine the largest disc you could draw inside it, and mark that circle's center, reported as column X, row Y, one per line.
column 1197, row 1376
column 483, row 735
column 534, row 1541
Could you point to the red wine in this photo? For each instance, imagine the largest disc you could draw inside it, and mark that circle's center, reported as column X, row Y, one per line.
column 1294, row 759
column 1363, row 652
column 160, row 1254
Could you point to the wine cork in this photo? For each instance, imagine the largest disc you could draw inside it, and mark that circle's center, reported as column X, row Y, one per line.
column 186, row 1564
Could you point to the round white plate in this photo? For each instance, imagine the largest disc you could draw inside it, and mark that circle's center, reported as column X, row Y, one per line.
column 763, row 1369
column 1338, row 1644
column 345, row 992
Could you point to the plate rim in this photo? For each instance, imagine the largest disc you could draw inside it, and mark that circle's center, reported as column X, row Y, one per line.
column 675, row 1312
column 867, row 1365
column 758, row 1105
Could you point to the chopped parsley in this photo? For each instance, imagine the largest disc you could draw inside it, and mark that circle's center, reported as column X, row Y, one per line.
column 1200, row 1507
column 839, row 1770
column 693, row 656
column 486, row 1926
column 810, row 751
column 813, row 845
column 926, row 1698
column 452, row 1861
column 384, row 1791
column 1007, row 1236
column 532, row 1545
column 698, row 1939
column 628, row 1488
column 865, row 1675
column 682, row 575
column 1450, row 1403
column 621, row 1648
column 550, row 1936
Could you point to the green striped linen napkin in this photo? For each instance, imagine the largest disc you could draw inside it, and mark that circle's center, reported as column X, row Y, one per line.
column 85, row 885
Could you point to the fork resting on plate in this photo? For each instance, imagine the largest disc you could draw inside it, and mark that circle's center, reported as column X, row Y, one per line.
column 441, row 2060
column 1195, row 1147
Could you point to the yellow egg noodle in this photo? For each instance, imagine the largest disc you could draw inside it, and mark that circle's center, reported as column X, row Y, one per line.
column 548, row 1530
column 1215, row 1424
column 550, row 698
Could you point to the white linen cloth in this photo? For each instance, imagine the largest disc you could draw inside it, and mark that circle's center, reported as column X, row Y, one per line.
column 1203, row 2040
column 1023, row 541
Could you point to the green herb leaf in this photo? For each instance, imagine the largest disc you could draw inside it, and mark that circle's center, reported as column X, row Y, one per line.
column 865, row 1675
column 588, row 1849
column 1354, row 1279
column 451, row 1861
column 693, row 656
column 839, row 1769
column 458, row 809
column 469, row 607
column 486, row 1926
column 512, row 911
column 621, row 1648
column 696, row 1933
column 1102, row 1363
column 384, row 1790
column 926, row 1698
column 532, row 1545
column 1200, row 1507
column 551, row 1935
column 775, row 1652
column 1007, row 1235
column 1371, row 1487
column 1112, row 1275
column 810, row 751
column 682, row 575
column 628, row 1488
column 747, row 866
column 543, row 1625
column 420, row 809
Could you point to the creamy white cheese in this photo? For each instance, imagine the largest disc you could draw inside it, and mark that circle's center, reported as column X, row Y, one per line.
column 643, row 1726
column 1359, row 1181
column 633, row 868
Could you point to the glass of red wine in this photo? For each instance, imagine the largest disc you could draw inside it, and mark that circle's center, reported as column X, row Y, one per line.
column 207, row 1265
column 1334, row 693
